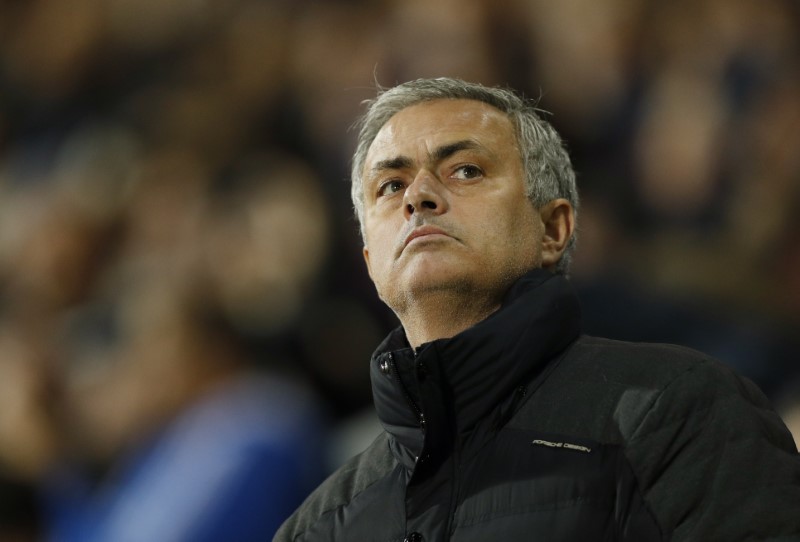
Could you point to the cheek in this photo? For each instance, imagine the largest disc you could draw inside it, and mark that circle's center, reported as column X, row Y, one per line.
column 378, row 244
column 526, row 231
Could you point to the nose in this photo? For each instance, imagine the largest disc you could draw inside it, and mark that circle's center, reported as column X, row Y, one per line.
column 424, row 195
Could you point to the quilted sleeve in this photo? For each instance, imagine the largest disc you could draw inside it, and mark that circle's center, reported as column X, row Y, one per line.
column 715, row 462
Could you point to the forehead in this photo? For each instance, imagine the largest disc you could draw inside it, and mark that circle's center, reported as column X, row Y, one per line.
column 420, row 127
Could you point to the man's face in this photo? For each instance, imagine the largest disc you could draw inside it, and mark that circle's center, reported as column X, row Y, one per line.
column 445, row 207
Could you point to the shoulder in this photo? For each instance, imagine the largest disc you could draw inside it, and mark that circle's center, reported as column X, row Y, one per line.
column 606, row 388
column 649, row 367
column 340, row 489
column 657, row 368
column 628, row 362
column 710, row 455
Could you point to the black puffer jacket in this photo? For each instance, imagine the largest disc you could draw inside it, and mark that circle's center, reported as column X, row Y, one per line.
column 519, row 429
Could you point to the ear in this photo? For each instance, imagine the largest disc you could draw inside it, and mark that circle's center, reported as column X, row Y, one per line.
column 558, row 218
column 365, row 253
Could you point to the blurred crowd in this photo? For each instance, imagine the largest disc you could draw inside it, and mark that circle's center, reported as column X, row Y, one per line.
column 185, row 317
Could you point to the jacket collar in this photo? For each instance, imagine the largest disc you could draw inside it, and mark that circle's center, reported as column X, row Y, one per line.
column 425, row 399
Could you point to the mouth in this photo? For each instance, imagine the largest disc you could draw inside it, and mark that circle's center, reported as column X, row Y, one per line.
column 422, row 232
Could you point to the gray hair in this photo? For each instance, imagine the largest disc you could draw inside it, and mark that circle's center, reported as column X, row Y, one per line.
column 548, row 170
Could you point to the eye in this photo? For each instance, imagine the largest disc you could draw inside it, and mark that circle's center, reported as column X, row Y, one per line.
column 390, row 187
column 467, row 172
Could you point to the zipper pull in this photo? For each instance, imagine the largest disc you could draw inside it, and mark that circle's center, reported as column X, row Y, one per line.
column 386, row 365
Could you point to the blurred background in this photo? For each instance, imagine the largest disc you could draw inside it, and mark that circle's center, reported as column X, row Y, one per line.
column 185, row 317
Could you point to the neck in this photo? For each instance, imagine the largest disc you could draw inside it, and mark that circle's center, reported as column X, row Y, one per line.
column 441, row 316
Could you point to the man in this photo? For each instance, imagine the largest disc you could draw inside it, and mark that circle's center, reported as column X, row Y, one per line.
column 502, row 422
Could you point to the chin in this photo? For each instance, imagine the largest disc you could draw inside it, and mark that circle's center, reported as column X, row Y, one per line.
column 441, row 279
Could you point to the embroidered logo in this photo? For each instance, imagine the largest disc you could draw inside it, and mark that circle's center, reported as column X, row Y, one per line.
column 564, row 445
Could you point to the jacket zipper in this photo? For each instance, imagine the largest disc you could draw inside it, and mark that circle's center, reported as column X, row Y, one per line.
column 414, row 407
column 451, row 514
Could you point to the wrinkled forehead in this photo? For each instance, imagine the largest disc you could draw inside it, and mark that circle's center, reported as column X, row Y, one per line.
column 423, row 126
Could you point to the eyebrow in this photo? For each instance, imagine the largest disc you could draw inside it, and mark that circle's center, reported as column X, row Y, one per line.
column 439, row 153
column 398, row 162
column 446, row 151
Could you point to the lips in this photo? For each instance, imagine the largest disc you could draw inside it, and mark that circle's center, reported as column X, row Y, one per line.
column 423, row 231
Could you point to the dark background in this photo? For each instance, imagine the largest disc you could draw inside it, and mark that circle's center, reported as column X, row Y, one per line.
column 202, row 147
